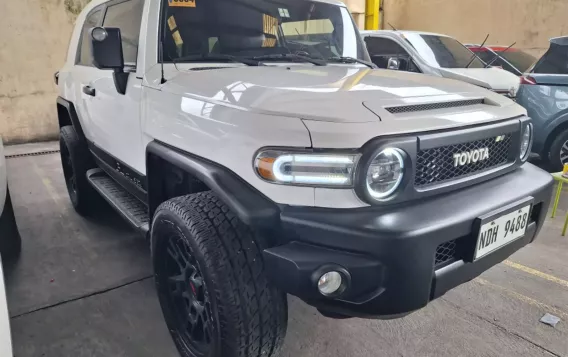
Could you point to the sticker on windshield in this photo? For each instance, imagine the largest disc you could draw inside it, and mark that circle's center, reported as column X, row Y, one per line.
column 181, row 3
column 283, row 12
column 177, row 38
column 172, row 23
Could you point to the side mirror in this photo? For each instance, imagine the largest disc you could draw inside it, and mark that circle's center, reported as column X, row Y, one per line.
column 106, row 46
column 393, row 63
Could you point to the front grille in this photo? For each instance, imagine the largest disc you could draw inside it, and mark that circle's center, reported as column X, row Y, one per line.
column 436, row 165
column 433, row 106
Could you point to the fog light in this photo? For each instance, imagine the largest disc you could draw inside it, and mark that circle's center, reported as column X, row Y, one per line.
column 330, row 283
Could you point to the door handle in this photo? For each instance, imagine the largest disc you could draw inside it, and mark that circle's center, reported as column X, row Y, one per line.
column 88, row 90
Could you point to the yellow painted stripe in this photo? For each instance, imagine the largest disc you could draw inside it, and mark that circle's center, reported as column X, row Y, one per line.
column 536, row 273
column 524, row 298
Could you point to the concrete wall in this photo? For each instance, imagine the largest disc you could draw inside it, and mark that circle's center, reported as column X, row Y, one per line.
column 528, row 22
column 33, row 45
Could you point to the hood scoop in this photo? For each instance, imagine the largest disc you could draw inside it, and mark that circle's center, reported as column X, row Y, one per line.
column 434, row 106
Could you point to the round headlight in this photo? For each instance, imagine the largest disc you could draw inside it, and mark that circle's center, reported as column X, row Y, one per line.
column 385, row 173
column 526, row 139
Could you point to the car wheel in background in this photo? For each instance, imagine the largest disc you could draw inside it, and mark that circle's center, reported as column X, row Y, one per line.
column 10, row 241
column 76, row 161
column 211, row 283
column 559, row 152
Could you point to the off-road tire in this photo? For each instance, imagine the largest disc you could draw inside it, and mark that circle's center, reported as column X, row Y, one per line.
column 10, row 240
column 77, row 160
column 249, row 316
column 555, row 162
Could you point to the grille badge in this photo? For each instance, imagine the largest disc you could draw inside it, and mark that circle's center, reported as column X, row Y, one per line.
column 468, row 157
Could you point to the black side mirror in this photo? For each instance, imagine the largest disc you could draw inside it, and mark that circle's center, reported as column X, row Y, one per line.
column 106, row 46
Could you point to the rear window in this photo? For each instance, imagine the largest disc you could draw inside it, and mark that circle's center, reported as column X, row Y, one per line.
column 521, row 60
column 554, row 61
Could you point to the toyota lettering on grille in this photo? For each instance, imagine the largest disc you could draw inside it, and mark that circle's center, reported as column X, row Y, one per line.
column 469, row 157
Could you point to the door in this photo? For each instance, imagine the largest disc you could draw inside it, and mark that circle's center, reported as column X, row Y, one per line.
column 84, row 72
column 115, row 118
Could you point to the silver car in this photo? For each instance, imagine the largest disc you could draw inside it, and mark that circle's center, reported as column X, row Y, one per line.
column 438, row 55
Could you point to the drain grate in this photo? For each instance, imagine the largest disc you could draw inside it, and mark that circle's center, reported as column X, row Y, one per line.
column 39, row 153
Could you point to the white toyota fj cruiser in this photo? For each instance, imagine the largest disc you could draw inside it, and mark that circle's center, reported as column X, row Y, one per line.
column 261, row 153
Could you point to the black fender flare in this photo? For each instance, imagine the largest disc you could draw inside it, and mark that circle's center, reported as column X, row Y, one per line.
column 68, row 106
column 250, row 205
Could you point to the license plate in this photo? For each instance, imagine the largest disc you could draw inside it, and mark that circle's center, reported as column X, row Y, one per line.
column 502, row 229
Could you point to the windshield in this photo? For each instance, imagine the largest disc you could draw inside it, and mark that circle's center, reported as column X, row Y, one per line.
column 521, row 60
column 252, row 28
column 442, row 51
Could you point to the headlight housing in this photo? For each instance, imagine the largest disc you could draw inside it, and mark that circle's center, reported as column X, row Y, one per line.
column 526, row 141
column 385, row 173
column 306, row 169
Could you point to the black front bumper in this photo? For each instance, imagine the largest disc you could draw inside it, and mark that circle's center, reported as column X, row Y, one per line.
column 392, row 254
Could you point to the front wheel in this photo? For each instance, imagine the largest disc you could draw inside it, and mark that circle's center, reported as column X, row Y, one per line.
column 211, row 283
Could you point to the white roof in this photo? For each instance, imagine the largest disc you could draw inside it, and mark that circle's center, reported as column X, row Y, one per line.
column 401, row 32
column 95, row 3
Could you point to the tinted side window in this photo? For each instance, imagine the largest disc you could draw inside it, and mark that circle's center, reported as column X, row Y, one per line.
column 84, row 56
column 127, row 17
column 382, row 49
column 378, row 46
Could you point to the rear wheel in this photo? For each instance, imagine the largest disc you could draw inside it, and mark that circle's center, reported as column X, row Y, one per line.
column 10, row 241
column 76, row 161
column 211, row 283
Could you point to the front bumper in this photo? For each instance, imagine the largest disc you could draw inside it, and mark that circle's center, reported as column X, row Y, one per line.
column 392, row 254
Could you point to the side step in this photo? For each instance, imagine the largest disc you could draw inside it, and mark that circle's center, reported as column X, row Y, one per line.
column 134, row 211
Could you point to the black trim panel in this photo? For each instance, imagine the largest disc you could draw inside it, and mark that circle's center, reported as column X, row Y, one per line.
column 73, row 116
column 253, row 208
column 133, row 181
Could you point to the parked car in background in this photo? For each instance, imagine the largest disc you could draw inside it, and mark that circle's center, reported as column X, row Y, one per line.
column 544, row 93
column 9, row 236
column 5, row 335
column 437, row 55
column 510, row 59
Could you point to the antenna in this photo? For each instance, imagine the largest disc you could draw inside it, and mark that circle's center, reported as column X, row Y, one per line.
column 497, row 55
column 161, row 44
column 474, row 55
column 162, row 79
column 394, row 28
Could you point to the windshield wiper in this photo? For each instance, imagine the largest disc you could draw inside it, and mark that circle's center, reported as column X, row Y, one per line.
column 352, row 60
column 289, row 56
column 216, row 57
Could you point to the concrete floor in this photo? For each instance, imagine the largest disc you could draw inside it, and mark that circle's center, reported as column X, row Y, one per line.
column 83, row 287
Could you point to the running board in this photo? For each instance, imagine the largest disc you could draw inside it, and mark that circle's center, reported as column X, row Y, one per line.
column 131, row 208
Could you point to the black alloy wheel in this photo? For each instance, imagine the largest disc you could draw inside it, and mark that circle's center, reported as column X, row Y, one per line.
column 184, row 286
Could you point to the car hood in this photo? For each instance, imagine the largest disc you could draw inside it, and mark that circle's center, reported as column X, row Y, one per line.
column 330, row 93
column 334, row 98
column 490, row 78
